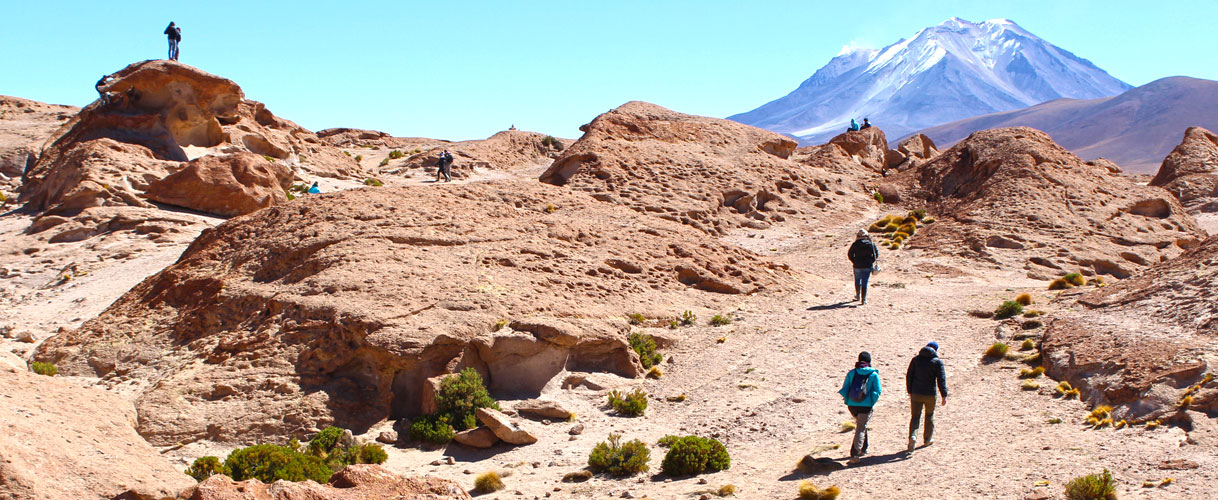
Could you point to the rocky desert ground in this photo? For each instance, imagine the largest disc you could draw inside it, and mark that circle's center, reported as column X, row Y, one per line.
column 159, row 251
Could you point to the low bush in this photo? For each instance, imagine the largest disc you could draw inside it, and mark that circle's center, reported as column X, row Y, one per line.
column 1027, row 345
column 434, row 428
column 720, row 320
column 997, row 350
column 1059, row 284
column 618, row 459
column 667, row 440
column 359, row 158
column 462, row 394
column 848, row 425
column 636, row 318
column 384, row 161
column 488, row 482
column 918, row 214
column 552, row 142
column 908, row 228
column 688, row 318
column 1024, row 299
column 1008, row 309
column 809, row 491
column 269, row 463
column 367, row 453
column 691, row 455
column 727, row 490
column 1153, row 424
column 1029, row 385
column 1033, row 313
column 632, row 404
column 205, row 467
column 41, row 368
column 1092, row 487
column 1075, row 279
column 655, row 372
column 878, row 196
column 1031, row 324
column 395, row 154
column 645, row 346
column 1032, row 373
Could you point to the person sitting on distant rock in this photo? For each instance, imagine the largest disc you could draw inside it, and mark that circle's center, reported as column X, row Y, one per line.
column 854, row 126
column 866, row 124
column 314, row 189
column 102, row 95
column 925, row 374
column 444, row 166
column 175, row 36
column 861, row 390
column 863, row 254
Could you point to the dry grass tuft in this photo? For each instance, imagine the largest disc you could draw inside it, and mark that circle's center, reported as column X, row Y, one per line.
column 809, row 491
column 1033, row 373
column 489, row 482
column 1024, row 299
column 1027, row 345
column 1029, row 385
column 1059, row 284
column 1075, row 279
column 848, row 426
column 997, row 350
column 727, row 490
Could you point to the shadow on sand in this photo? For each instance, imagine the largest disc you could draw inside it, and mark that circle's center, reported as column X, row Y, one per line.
column 839, row 305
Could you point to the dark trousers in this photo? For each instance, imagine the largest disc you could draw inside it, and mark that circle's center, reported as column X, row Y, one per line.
column 173, row 49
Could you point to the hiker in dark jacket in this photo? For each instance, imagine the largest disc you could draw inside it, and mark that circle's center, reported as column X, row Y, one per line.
column 861, row 390
column 175, row 36
column 863, row 254
column 924, row 375
column 444, row 166
column 866, row 124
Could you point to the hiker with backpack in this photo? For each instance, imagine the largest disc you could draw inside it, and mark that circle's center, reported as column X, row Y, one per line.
column 444, row 167
column 861, row 390
column 175, row 37
column 863, row 254
column 924, row 375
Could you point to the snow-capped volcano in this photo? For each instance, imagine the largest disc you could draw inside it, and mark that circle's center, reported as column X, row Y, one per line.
column 955, row 70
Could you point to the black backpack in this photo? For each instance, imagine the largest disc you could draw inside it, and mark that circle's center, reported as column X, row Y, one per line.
column 858, row 388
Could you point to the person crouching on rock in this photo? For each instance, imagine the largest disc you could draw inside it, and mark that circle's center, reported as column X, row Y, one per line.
column 175, row 36
column 861, row 390
column 866, row 124
column 863, row 255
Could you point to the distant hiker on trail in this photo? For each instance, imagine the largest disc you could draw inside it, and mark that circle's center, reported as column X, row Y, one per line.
column 854, row 126
column 866, row 123
column 861, row 390
column 314, row 189
column 863, row 254
column 444, row 167
column 925, row 373
column 175, row 36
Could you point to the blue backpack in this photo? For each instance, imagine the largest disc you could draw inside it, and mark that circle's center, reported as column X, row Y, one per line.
column 858, row 388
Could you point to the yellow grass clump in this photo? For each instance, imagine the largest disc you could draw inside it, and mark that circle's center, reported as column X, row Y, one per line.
column 997, row 350
column 809, row 491
column 489, row 482
column 1024, row 299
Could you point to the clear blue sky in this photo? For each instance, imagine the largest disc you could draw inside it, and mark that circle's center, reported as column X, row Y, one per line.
column 465, row 70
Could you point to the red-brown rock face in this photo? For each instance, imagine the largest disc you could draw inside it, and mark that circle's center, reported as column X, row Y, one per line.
column 1191, row 171
column 711, row 174
column 228, row 185
column 337, row 308
column 357, row 482
column 1012, row 196
column 1140, row 342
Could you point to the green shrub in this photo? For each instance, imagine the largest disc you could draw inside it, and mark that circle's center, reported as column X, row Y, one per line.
column 1075, row 279
column 878, row 197
column 1092, row 487
column 997, row 350
column 918, row 214
column 646, row 347
column 384, row 161
column 488, row 482
column 373, row 182
column 720, row 320
column 691, row 455
column 636, row 318
column 1060, row 284
column 632, row 404
column 269, row 463
column 359, row 158
column 688, row 318
column 462, row 394
column 1008, row 309
column 325, row 442
column 434, row 428
column 619, row 459
column 552, row 142
column 268, row 158
column 205, row 467
column 1027, row 345
column 667, row 440
column 367, row 453
column 809, row 491
column 395, row 154
column 908, row 228
column 42, row 368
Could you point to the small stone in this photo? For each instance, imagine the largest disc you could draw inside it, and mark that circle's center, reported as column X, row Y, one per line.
column 388, row 437
column 441, row 462
column 536, row 465
column 576, row 430
column 702, row 480
column 451, row 461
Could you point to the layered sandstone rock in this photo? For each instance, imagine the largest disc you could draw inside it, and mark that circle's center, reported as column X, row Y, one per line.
column 509, row 150
column 712, row 174
column 227, row 185
column 1012, row 196
column 336, row 309
column 65, row 442
column 24, row 126
column 918, row 146
column 1191, row 171
column 156, row 116
column 1141, row 343
column 356, row 482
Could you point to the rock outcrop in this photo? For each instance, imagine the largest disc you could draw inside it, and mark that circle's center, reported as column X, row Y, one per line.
column 24, row 126
column 338, row 308
column 712, row 174
column 509, row 150
column 1191, row 171
column 1141, row 343
column 227, row 185
column 918, row 146
column 861, row 153
column 62, row 441
column 356, row 482
column 1014, row 197
column 158, row 115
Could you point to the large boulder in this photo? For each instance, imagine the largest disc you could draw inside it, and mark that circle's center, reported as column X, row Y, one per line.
column 227, row 185
column 63, row 441
column 1014, row 197
column 1191, row 171
column 862, row 153
column 1140, row 343
column 918, row 146
column 24, row 126
column 715, row 175
column 337, row 308
column 356, row 482
column 503, row 427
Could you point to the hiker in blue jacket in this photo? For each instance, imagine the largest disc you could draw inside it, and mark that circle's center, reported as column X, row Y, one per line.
column 861, row 390
column 854, row 126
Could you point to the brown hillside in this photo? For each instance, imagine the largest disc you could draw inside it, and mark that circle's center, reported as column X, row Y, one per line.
column 24, row 126
column 1191, row 171
column 337, row 308
column 1014, row 197
column 509, row 150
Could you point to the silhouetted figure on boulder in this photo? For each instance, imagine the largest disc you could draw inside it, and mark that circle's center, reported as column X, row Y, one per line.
column 175, row 37
column 866, row 124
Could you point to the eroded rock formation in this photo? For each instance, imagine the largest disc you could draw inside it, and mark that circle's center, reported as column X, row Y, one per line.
column 1191, row 171
column 338, row 308
column 227, row 185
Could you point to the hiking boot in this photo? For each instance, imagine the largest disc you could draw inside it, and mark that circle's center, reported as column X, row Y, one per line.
column 853, row 460
column 912, row 444
column 928, row 443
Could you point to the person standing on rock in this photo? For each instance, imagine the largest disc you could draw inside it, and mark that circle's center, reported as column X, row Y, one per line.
column 175, row 36
column 924, row 375
column 861, row 390
column 863, row 254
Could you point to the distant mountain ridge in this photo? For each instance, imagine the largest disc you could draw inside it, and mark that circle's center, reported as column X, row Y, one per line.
column 1136, row 129
column 955, row 70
